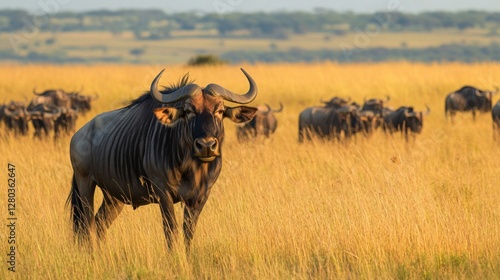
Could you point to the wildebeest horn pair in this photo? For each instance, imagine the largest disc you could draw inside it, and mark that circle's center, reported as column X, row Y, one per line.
column 193, row 89
column 414, row 114
column 280, row 109
column 269, row 109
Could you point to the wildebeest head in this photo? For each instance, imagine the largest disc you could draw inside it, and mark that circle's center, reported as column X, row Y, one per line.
column 336, row 102
column 484, row 98
column 375, row 105
column 415, row 120
column 201, row 112
column 81, row 103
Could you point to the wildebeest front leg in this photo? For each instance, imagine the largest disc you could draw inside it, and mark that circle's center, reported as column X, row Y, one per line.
column 192, row 210
column 168, row 217
column 107, row 213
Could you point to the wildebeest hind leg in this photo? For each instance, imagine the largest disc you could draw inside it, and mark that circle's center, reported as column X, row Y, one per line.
column 82, row 200
column 107, row 213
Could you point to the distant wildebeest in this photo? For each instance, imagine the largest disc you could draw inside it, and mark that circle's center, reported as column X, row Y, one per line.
column 264, row 123
column 165, row 147
column 495, row 114
column 375, row 105
column 336, row 102
column 327, row 122
column 16, row 118
column 366, row 122
column 43, row 118
column 81, row 103
column 66, row 122
column 2, row 107
column 468, row 99
column 405, row 120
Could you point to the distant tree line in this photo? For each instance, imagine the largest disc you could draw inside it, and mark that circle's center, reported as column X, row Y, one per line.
column 156, row 24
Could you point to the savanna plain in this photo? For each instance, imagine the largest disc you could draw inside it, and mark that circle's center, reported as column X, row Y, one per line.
column 370, row 208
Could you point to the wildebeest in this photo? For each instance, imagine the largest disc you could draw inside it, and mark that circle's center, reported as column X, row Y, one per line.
column 43, row 118
column 165, row 147
column 336, row 102
column 16, row 118
column 81, row 103
column 264, row 123
column 468, row 99
column 405, row 120
column 495, row 114
column 375, row 105
column 59, row 98
column 366, row 122
column 2, row 107
column 327, row 122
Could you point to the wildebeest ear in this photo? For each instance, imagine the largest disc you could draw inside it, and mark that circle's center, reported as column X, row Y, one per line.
column 240, row 114
column 168, row 115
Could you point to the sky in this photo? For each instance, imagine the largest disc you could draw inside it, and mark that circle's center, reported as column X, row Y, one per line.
column 222, row 6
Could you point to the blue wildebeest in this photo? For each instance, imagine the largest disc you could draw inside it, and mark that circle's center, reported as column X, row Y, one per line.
column 264, row 123
column 327, row 122
column 81, row 103
column 405, row 120
column 495, row 114
column 43, row 117
column 336, row 102
column 16, row 117
column 468, row 99
column 66, row 121
column 165, row 147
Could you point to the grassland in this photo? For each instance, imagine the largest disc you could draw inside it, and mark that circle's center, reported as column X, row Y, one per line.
column 375, row 208
column 104, row 46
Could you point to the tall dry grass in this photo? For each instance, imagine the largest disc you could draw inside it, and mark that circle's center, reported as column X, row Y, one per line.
column 375, row 208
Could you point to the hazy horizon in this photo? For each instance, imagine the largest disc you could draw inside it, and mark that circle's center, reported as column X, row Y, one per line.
column 222, row 6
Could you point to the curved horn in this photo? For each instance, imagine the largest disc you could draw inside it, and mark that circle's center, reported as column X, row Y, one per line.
column 496, row 90
column 51, row 112
column 182, row 93
column 268, row 108
column 388, row 98
column 36, row 93
column 236, row 98
column 8, row 112
column 280, row 109
column 428, row 110
column 408, row 114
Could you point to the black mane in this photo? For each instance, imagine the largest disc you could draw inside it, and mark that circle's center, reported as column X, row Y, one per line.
column 166, row 90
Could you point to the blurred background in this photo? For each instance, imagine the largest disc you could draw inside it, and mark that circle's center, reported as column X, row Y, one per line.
column 235, row 31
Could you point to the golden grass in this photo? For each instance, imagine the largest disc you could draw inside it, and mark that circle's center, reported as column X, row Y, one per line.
column 375, row 208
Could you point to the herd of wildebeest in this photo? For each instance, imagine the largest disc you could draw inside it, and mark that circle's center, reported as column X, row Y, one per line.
column 57, row 110
column 165, row 146
column 340, row 118
column 51, row 110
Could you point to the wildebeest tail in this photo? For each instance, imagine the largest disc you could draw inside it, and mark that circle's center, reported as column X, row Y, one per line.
column 76, row 210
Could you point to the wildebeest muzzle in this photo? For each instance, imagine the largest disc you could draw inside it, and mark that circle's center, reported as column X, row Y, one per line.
column 206, row 148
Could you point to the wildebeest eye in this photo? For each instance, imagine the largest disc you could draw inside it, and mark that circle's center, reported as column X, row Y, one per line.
column 189, row 112
column 219, row 112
